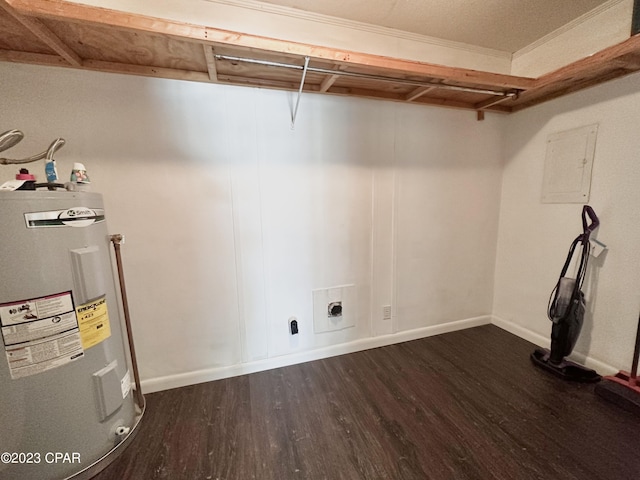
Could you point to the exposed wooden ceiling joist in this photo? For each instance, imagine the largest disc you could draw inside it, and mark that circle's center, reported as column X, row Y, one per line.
column 60, row 33
column 210, row 57
column 36, row 27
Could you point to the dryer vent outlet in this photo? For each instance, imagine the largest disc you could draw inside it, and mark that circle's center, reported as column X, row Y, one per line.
column 334, row 309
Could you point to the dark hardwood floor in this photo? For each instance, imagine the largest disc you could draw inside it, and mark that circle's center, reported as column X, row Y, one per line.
column 464, row 405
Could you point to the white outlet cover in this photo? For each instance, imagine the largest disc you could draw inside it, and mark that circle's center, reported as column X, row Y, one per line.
column 321, row 300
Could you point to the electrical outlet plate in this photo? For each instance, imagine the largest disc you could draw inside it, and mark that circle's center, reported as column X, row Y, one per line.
column 293, row 326
column 386, row 312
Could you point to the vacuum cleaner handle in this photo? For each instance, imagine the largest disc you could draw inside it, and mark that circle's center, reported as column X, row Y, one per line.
column 588, row 211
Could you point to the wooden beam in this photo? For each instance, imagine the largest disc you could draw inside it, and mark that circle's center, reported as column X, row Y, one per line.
column 202, row 34
column 41, row 31
column 535, row 97
column 385, row 95
column 609, row 63
column 100, row 66
column 146, row 71
column 588, row 65
column 211, row 62
column 95, row 65
column 264, row 83
column 598, row 68
column 630, row 62
column 341, row 91
column 33, row 58
column 418, row 92
column 328, row 82
column 480, row 115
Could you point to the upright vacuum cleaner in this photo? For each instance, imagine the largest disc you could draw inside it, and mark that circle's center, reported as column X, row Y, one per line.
column 566, row 310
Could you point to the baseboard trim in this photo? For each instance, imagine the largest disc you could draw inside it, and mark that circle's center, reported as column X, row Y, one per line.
column 207, row 375
column 521, row 332
column 601, row 367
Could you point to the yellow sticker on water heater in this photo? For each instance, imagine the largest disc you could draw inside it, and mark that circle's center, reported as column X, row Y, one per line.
column 93, row 320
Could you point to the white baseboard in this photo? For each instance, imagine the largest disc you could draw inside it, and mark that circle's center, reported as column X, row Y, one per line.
column 190, row 378
column 601, row 367
column 522, row 332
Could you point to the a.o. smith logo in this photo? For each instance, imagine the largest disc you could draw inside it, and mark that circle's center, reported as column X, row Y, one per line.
column 72, row 217
column 77, row 212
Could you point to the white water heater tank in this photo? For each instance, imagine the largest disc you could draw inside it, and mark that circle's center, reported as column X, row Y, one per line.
column 66, row 404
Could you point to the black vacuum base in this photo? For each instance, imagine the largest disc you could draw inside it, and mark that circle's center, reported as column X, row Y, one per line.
column 566, row 369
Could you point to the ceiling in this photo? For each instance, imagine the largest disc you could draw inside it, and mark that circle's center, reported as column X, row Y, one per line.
column 507, row 25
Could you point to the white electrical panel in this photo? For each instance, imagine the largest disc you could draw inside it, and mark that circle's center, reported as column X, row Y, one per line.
column 568, row 165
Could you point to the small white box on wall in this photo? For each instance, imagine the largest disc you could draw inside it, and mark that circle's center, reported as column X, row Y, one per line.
column 334, row 308
column 568, row 165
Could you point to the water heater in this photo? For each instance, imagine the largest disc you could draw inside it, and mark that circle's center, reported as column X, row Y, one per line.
column 66, row 403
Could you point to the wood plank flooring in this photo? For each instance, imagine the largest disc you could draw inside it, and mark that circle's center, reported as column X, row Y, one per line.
column 464, row 405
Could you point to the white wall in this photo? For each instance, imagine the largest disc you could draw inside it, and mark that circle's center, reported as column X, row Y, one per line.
column 534, row 237
column 602, row 27
column 232, row 218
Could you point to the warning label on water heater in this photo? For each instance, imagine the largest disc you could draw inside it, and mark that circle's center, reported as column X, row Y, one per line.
column 93, row 319
column 40, row 334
